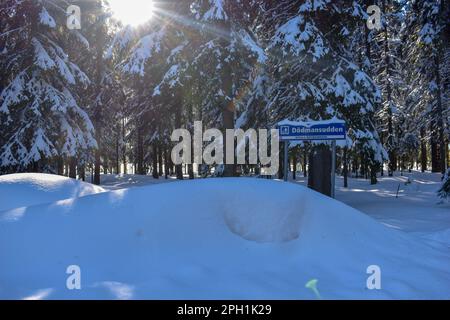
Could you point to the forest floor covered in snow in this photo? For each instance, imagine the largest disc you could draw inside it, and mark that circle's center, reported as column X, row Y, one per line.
column 225, row 238
column 415, row 208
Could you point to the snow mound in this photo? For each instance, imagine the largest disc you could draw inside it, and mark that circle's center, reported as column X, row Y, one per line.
column 212, row 239
column 442, row 236
column 26, row 189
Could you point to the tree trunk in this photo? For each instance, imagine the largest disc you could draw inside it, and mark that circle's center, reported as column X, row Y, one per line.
column 124, row 150
column 387, row 60
column 140, row 152
column 305, row 162
column 345, row 169
column 228, row 107
column 423, row 150
column 98, row 112
column 355, row 166
column 228, row 123
column 97, row 168
column 178, row 167
column 72, row 168
column 166, row 164
column 281, row 161
column 294, row 165
column 117, row 156
column 60, row 165
column 440, row 121
column 191, row 171
column 155, row 161
column 435, row 155
column 373, row 174
column 82, row 169
column 160, row 161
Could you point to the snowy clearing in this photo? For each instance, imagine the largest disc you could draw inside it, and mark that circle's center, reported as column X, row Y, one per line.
column 213, row 239
column 124, row 181
column 417, row 209
column 26, row 189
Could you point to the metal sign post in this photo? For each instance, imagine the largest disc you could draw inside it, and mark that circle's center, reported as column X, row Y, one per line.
column 333, row 169
column 331, row 130
column 286, row 161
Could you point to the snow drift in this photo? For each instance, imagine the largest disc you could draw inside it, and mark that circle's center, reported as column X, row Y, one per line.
column 25, row 189
column 212, row 239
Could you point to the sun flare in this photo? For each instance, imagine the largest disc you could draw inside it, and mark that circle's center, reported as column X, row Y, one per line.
column 132, row 12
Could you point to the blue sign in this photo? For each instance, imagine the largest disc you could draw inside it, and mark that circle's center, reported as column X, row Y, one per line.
column 312, row 130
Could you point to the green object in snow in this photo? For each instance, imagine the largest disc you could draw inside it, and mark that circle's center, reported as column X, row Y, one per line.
column 312, row 284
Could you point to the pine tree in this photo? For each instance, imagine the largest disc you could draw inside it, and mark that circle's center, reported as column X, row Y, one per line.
column 426, row 38
column 314, row 77
column 155, row 65
column 444, row 191
column 105, row 96
column 40, row 112
column 387, row 66
column 226, row 55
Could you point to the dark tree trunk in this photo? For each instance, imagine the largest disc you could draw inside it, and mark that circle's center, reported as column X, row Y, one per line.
column 166, row 164
column 82, row 169
column 228, row 107
column 124, row 151
column 387, row 56
column 305, row 162
column 281, row 162
column 72, row 168
column 435, row 155
column 178, row 167
column 355, row 166
column 60, row 165
column 319, row 178
column 140, row 152
column 98, row 111
column 373, row 174
column 228, row 123
column 97, row 168
column 191, row 171
column 439, row 116
column 294, row 165
column 160, row 161
column 423, row 150
column 155, row 161
column 117, row 156
column 345, row 168
column 33, row 167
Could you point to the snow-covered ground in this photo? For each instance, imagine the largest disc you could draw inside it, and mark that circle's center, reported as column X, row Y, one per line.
column 228, row 238
column 414, row 209
column 124, row 181
column 26, row 189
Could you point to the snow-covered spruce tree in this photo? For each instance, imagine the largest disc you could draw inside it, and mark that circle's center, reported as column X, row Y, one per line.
column 416, row 105
column 105, row 97
column 124, row 38
column 387, row 67
column 40, row 115
column 120, row 41
column 194, row 63
column 314, row 76
column 226, row 54
column 425, row 26
column 444, row 191
column 148, row 66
